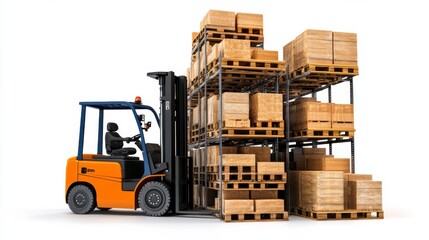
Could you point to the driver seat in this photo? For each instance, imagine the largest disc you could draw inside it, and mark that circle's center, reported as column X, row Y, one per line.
column 115, row 143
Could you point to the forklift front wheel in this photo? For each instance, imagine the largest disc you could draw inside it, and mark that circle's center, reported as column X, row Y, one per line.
column 154, row 198
column 81, row 199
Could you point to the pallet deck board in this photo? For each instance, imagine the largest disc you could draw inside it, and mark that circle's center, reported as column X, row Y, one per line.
column 267, row 185
column 246, row 217
column 338, row 215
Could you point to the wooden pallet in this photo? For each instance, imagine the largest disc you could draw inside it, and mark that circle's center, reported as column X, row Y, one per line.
column 232, row 177
column 253, row 132
column 232, row 169
column 274, row 177
column 256, row 31
column 245, row 66
column 214, row 35
column 269, row 124
column 248, row 185
column 331, row 69
column 322, row 133
column 338, row 215
column 235, row 123
column 246, row 217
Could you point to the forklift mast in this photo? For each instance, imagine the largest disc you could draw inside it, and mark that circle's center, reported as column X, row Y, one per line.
column 173, row 109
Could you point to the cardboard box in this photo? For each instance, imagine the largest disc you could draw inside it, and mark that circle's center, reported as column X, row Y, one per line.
column 269, row 205
column 313, row 151
column 321, row 191
column 238, row 160
column 234, row 206
column 345, row 48
column 235, row 105
column 219, row 20
column 365, row 195
column 266, row 107
column 260, row 54
column 342, row 116
column 264, row 194
column 311, row 115
column 313, row 47
column 348, row 177
column 235, row 49
column 236, row 194
column 288, row 56
column 212, row 110
column 327, row 163
column 270, row 167
column 213, row 153
column 262, row 154
column 249, row 20
column 295, row 193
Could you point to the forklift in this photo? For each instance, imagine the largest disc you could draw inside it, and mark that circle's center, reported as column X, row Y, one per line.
column 159, row 183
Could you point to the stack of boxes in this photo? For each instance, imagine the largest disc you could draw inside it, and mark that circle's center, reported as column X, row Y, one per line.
column 318, row 47
column 309, row 114
column 324, row 183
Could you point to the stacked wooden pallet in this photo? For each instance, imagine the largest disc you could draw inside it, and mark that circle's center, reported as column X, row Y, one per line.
column 238, row 38
column 312, row 119
column 257, row 116
column 332, row 192
column 249, row 184
column 328, row 56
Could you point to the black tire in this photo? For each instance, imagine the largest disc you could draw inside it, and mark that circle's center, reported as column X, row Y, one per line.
column 103, row 209
column 81, row 199
column 154, row 198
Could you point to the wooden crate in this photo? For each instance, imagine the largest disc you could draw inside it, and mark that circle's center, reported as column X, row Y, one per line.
column 249, row 21
column 266, row 107
column 326, row 163
column 220, row 20
column 264, row 194
column 238, row 206
column 348, row 177
column 213, row 153
column 235, row 49
column 321, row 190
column 288, row 56
column 238, row 160
column 311, row 115
column 258, row 53
column 345, row 48
column 270, row 167
column 313, row 47
column 235, row 105
column 365, row 194
column 262, row 154
column 342, row 116
column 269, row 205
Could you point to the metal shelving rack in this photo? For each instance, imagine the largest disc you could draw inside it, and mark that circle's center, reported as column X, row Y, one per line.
column 202, row 87
column 312, row 142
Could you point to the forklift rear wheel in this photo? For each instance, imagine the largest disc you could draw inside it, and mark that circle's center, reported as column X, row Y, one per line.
column 81, row 199
column 154, row 198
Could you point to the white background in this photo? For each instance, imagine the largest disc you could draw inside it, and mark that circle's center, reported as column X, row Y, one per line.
column 55, row 53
